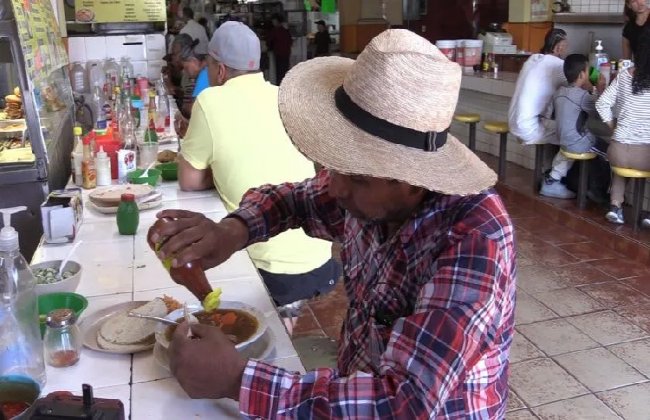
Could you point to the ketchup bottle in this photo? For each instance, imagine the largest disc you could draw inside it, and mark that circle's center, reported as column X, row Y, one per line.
column 190, row 275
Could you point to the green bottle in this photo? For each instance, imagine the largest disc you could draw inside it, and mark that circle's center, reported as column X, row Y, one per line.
column 128, row 215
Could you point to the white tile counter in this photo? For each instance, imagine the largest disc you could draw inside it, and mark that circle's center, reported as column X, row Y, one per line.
column 119, row 269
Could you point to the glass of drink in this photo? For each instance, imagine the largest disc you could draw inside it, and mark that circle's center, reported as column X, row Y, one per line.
column 148, row 153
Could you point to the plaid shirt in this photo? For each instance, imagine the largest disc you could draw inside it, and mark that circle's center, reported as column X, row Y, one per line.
column 431, row 315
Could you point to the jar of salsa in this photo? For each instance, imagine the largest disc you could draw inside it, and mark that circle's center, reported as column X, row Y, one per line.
column 128, row 215
column 191, row 275
column 62, row 339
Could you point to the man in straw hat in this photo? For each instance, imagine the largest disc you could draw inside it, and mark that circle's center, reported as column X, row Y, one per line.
column 428, row 249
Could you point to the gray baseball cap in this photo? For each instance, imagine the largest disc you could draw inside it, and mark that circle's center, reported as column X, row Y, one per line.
column 236, row 45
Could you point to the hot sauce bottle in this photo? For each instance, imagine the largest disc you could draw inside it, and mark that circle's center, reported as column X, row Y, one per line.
column 190, row 275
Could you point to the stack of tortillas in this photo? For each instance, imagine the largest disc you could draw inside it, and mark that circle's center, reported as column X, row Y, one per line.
column 133, row 334
column 110, row 196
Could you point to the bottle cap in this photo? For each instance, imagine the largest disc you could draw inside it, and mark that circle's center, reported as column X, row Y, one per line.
column 77, row 131
column 152, row 94
column 86, row 140
column 8, row 235
column 60, row 318
column 128, row 198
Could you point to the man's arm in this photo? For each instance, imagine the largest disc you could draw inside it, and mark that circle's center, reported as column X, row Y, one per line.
column 194, row 171
column 270, row 210
column 190, row 179
column 606, row 102
column 458, row 315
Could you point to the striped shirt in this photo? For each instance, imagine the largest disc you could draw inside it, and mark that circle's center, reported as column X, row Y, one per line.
column 630, row 111
column 430, row 318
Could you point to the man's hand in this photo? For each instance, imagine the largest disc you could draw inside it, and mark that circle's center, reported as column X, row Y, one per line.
column 199, row 238
column 207, row 365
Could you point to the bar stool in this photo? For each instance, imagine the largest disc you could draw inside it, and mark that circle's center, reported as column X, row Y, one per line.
column 540, row 150
column 501, row 128
column 583, row 160
column 472, row 120
column 639, row 178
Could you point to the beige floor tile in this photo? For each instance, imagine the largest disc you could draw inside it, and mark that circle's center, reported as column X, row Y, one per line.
column 599, row 369
column 521, row 415
column 529, row 310
column 607, row 327
column 542, row 381
column 586, row 407
column 522, row 349
column 631, row 402
column 569, row 301
column 514, row 402
column 557, row 336
column 635, row 353
column 535, row 279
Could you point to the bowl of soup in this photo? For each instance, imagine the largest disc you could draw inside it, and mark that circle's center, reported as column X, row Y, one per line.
column 241, row 323
column 17, row 394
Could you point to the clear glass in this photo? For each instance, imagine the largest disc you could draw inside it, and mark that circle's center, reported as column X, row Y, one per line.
column 63, row 346
column 147, row 154
column 21, row 346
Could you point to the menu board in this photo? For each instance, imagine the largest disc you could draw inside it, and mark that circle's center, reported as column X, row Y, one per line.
column 109, row 11
column 40, row 38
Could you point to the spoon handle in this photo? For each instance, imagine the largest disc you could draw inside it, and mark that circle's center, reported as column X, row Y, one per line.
column 153, row 318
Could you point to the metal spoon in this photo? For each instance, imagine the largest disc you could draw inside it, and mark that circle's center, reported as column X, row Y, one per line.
column 153, row 318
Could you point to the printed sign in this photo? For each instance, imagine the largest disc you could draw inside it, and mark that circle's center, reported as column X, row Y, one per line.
column 119, row 11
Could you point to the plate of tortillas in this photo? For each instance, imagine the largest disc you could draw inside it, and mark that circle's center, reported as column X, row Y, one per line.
column 110, row 330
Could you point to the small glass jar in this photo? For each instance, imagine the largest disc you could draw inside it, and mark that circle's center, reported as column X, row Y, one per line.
column 63, row 339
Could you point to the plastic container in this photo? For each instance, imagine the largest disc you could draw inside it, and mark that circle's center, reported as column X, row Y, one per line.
column 79, row 78
column 169, row 171
column 103, row 163
column 151, row 178
column 112, row 68
column 460, row 52
column 448, row 48
column 96, row 75
column 128, row 215
column 22, row 347
column 77, row 157
column 472, row 52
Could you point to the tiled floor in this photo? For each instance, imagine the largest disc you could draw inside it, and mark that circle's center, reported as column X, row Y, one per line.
column 582, row 347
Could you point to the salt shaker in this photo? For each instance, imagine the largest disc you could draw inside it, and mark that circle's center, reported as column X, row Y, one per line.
column 63, row 339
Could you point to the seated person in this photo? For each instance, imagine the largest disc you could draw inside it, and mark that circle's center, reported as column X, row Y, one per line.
column 195, row 66
column 236, row 141
column 573, row 105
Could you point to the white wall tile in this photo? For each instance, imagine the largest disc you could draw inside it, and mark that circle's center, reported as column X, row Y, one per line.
column 95, row 48
column 77, row 49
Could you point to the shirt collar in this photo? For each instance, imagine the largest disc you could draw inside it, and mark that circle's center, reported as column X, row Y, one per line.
column 246, row 79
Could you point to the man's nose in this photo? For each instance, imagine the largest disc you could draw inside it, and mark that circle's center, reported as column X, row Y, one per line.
column 339, row 186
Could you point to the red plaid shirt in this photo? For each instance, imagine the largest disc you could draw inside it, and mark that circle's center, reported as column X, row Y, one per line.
column 431, row 313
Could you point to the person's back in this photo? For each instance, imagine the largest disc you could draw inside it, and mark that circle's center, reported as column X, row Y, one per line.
column 632, row 110
column 573, row 107
column 197, row 32
column 250, row 148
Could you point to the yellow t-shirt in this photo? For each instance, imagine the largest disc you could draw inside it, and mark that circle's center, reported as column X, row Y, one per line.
column 236, row 130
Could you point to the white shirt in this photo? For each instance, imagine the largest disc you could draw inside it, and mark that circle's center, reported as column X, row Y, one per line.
column 196, row 31
column 538, row 80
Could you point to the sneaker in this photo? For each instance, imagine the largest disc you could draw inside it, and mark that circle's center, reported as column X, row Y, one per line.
column 555, row 189
column 645, row 222
column 615, row 215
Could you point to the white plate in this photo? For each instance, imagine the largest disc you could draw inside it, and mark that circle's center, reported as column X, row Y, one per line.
column 113, row 210
column 93, row 322
column 196, row 307
column 259, row 350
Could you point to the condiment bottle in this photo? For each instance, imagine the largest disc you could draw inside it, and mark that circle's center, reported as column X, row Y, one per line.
column 128, row 215
column 63, row 340
column 190, row 275
column 103, row 164
column 88, row 169
column 77, row 157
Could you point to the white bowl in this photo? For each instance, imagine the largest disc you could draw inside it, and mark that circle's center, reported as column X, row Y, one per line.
column 197, row 307
column 68, row 285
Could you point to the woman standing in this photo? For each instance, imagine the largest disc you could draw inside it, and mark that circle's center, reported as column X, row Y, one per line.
column 629, row 93
column 637, row 12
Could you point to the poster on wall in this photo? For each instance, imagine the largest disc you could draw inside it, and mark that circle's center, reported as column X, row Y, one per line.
column 40, row 38
column 119, row 11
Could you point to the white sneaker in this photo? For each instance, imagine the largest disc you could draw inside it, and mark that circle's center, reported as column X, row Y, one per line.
column 555, row 189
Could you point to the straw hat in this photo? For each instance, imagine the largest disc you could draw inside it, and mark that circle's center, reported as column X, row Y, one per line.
column 385, row 115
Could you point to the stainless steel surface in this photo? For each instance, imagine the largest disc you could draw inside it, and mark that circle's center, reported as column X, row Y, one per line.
column 602, row 18
column 153, row 318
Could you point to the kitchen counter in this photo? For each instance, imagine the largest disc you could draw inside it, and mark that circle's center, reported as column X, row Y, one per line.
column 119, row 269
column 501, row 85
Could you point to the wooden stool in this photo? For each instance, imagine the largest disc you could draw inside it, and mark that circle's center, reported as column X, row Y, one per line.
column 472, row 120
column 583, row 160
column 501, row 128
column 639, row 191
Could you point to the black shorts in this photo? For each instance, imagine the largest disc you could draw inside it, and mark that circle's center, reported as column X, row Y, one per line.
column 286, row 289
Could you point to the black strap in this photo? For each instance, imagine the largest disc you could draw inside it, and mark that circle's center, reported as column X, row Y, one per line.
column 429, row 142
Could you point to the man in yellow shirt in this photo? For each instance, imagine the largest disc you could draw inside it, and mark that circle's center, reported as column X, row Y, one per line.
column 236, row 141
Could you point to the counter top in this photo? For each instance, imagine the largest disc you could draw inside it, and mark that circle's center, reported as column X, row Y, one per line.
column 119, row 269
column 502, row 85
column 597, row 18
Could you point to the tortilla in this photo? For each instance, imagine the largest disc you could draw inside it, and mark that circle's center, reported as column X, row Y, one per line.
column 111, row 196
column 122, row 330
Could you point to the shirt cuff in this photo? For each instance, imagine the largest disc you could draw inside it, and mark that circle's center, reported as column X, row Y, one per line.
column 262, row 388
column 256, row 226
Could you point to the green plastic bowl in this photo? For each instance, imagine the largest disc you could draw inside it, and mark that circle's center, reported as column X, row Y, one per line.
column 18, row 388
column 152, row 179
column 52, row 301
column 169, row 171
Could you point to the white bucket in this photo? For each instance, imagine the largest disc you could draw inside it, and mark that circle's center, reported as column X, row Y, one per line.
column 448, row 48
column 472, row 52
column 460, row 53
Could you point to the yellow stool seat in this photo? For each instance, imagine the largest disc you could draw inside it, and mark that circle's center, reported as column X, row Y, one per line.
column 630, row 173
column 579, row 156
column 497, row 127
column 467, row 118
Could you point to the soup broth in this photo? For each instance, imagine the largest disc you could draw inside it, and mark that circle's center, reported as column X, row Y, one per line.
column 238, row 326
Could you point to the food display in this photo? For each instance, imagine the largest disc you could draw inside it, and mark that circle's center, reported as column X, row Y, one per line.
column 239, row 326
column 50, row 275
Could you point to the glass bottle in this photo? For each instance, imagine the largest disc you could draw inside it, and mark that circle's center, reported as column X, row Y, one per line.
column 128, row 215
column 88, row 168
column 21, row 346
column 63, row 339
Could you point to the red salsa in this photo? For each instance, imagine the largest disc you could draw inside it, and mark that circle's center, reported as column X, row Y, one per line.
column 12, row 408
